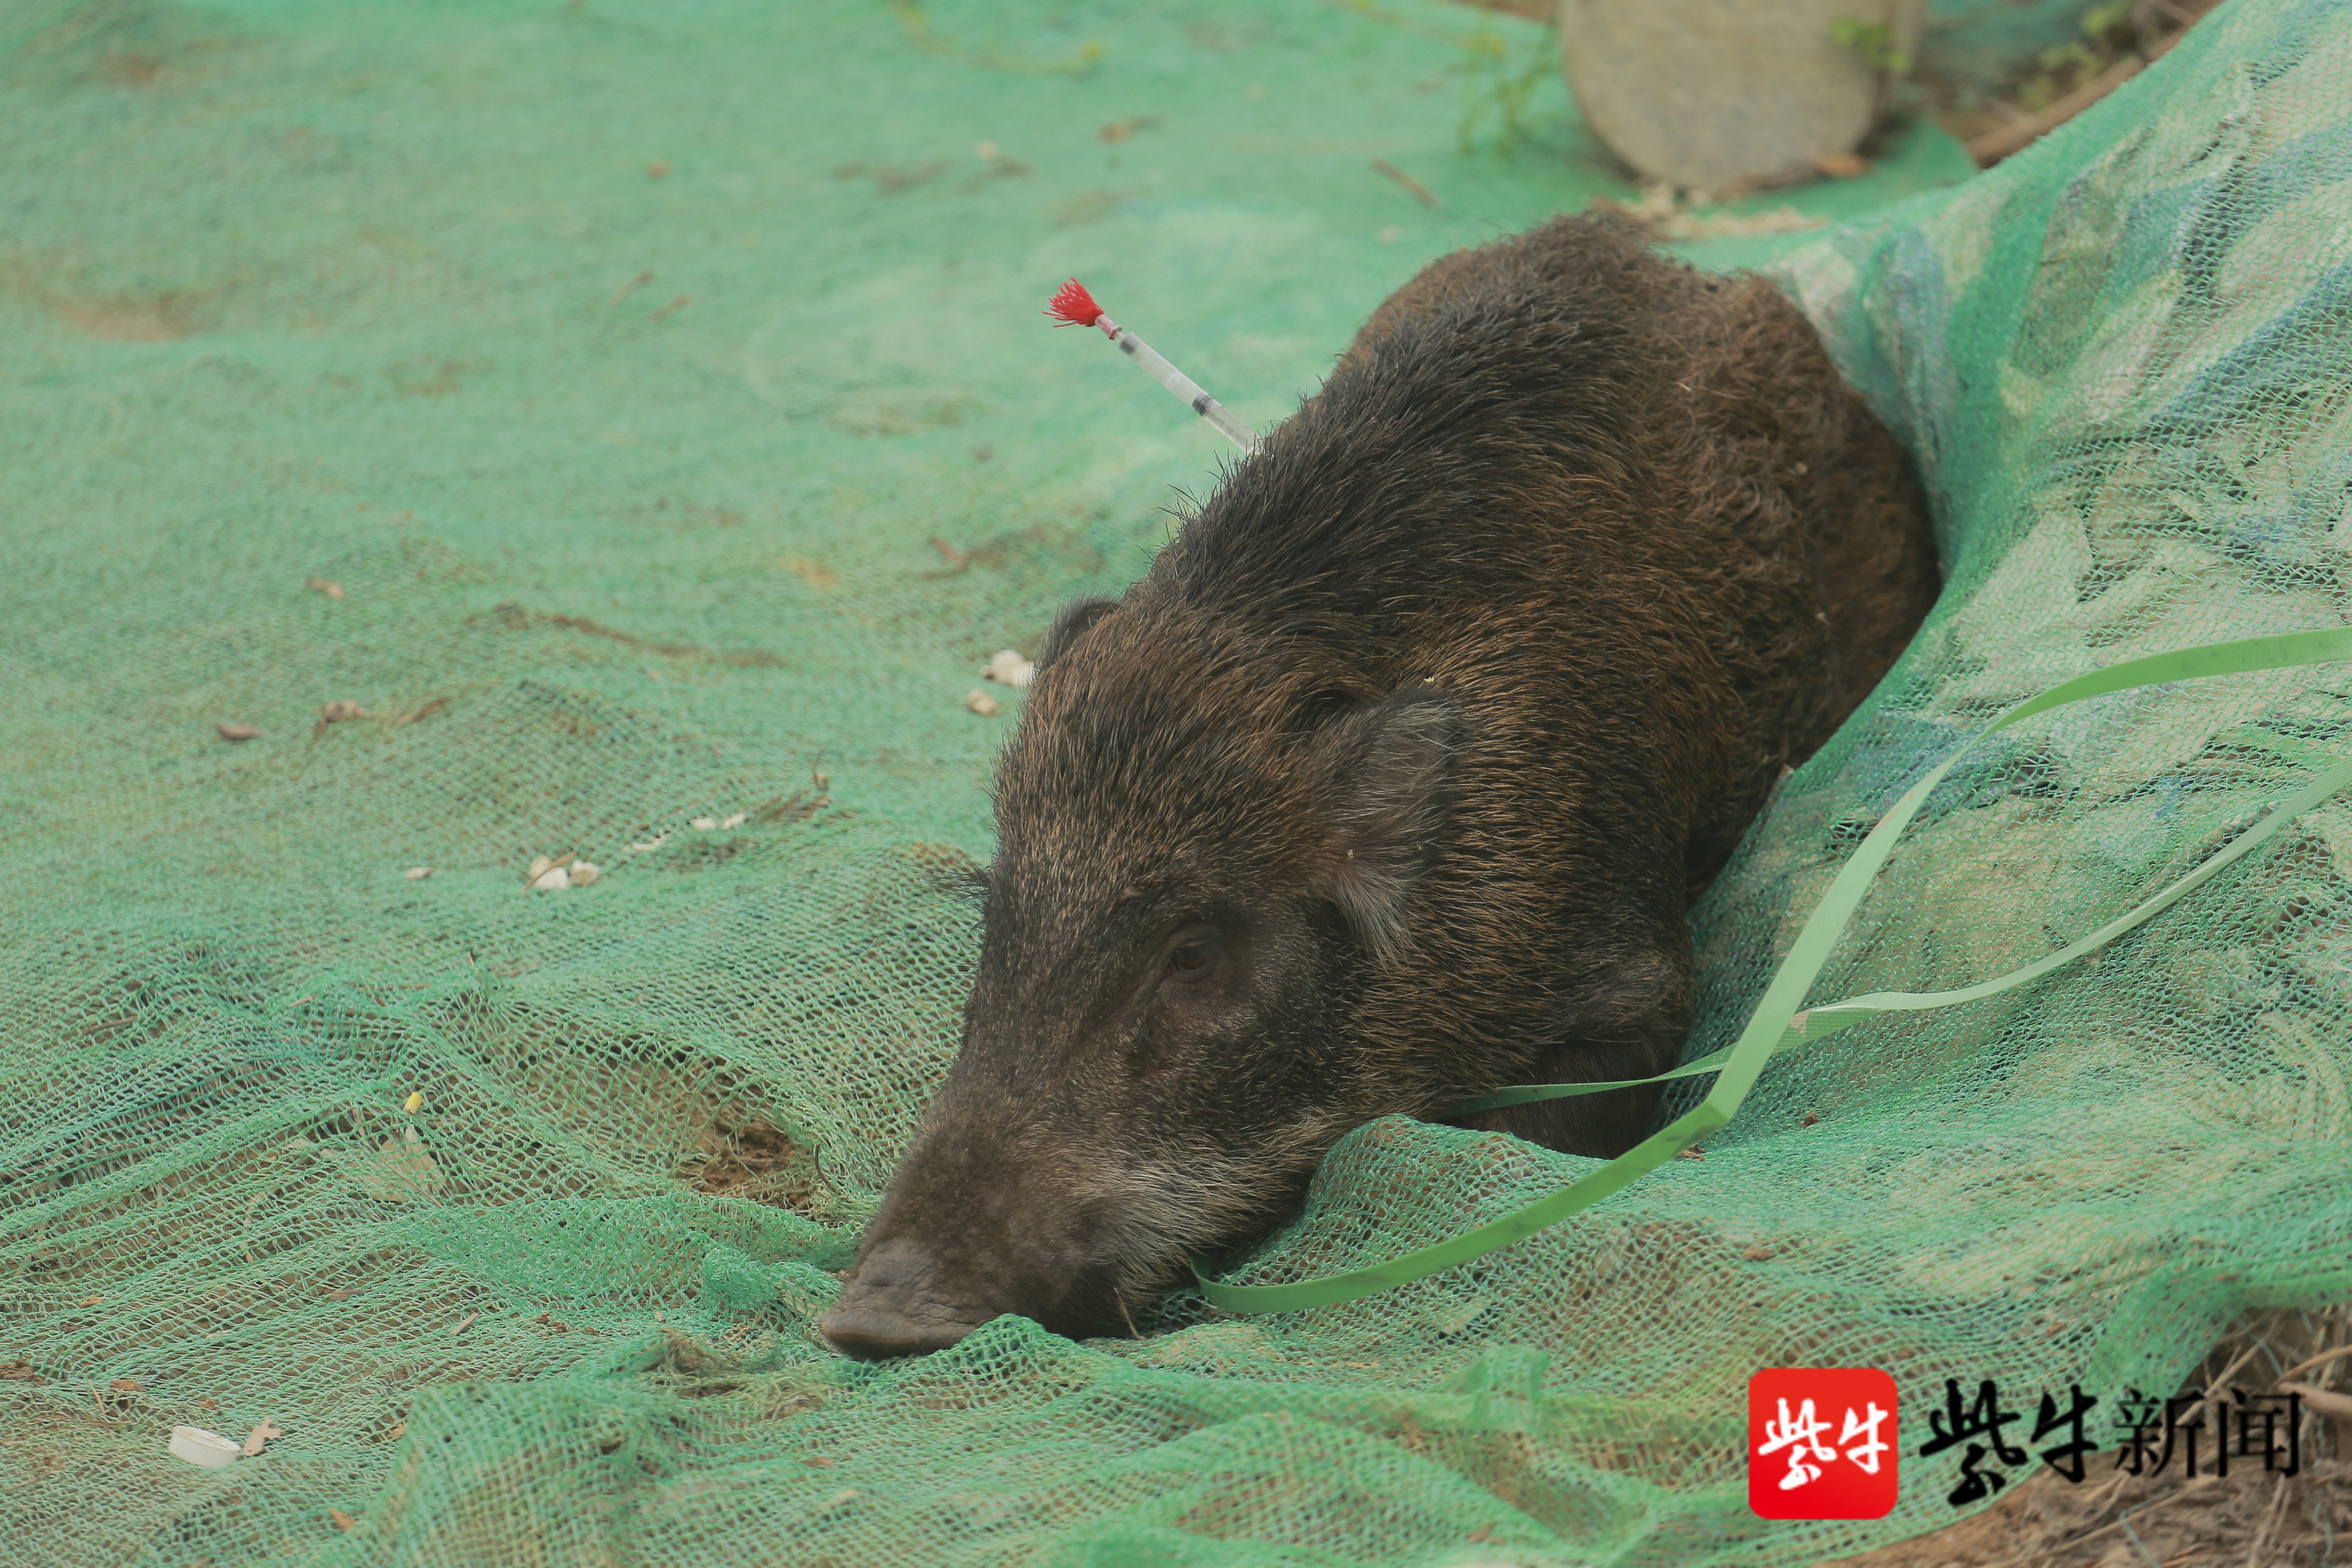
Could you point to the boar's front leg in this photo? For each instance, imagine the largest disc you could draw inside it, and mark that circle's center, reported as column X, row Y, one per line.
column 1627, row 1021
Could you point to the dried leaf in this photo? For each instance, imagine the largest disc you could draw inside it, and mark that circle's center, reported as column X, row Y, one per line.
column 1758, row 1254
column 260, row 1437
column 631, row 287
column 125, row 1386
column 418, row 873
column 342, row 1521
column 981, row 703
column 237, row 731
column 335, row 712
column 820, row 1464
column 2337, row 1406
column 1413, row 187
column 815, row 573
column 2322, row 1358
column 780, row 808
column 322, row 585
column 414, row 714
column 398, row 1171
column 90, row 1300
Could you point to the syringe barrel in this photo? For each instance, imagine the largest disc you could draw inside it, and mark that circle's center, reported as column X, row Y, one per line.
column 1185, row 387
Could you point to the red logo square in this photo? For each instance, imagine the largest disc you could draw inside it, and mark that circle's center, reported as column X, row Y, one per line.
column 1821, row 1443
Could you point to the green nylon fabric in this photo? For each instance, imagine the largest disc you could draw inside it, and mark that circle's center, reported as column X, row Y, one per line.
column 1818, row 1022
column 616, row 367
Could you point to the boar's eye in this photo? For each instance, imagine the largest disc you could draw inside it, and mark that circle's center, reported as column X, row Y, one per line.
column 1190, row 959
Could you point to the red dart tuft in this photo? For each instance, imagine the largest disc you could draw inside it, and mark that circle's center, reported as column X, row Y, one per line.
column 1074, row 307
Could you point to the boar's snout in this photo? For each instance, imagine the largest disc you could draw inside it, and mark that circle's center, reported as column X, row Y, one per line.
column 889, row 1308
column 985, row 1216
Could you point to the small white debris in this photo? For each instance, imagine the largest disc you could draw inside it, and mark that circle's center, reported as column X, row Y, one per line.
column 418, row 873
column 586, row 872
column 1007, row 668
column 704, row 823
column 650, row 845
column 547, row 876
column 198, row 1447
column 981, row 703
column 738, row 820
column 1669, row 213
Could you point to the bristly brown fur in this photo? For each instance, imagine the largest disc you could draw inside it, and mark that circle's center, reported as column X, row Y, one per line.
column 1424, row 731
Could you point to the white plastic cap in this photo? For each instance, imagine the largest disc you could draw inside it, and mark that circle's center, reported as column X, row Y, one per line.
column 198, row 1447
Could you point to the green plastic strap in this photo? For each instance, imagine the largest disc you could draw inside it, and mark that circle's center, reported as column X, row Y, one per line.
column 1777, row 1023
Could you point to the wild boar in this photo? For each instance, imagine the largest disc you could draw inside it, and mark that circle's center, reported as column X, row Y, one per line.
column 1392, row 780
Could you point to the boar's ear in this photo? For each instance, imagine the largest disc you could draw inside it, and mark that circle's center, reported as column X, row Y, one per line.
column 1071, row 624
column 1385, row 769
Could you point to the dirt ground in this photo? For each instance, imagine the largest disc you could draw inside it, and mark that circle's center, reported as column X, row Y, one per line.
column 2254, row 1520
column 2249, row 1520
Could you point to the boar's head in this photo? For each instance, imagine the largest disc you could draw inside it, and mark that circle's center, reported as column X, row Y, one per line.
column 1209, row 841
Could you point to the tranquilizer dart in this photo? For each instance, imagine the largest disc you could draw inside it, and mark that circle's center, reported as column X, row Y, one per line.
column 1074, row 307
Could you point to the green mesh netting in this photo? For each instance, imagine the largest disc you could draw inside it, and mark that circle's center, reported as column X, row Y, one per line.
column 612, row 369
